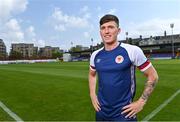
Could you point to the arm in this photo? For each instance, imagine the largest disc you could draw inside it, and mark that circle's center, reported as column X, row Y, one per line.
column 135, row 107
column 92, row 89
column 152, row 79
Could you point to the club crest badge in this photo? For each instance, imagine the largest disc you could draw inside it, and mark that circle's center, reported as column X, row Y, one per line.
column 119, row 59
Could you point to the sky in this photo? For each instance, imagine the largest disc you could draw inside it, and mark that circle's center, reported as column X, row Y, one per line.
column 66, row 23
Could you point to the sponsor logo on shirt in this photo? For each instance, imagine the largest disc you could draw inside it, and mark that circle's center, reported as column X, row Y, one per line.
column 119, row 59
column 98, row 60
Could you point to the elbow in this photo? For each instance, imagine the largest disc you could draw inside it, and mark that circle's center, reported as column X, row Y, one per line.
column 155, row 77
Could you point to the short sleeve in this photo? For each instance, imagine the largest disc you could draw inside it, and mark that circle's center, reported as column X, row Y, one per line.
column 137, row 56
column 92, row 59
column 92, row 65
column 140, row 59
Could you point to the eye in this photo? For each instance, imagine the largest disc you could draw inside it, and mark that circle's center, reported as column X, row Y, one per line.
column 102, row 28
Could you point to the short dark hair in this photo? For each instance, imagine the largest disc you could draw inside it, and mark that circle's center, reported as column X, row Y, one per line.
column 108, row 18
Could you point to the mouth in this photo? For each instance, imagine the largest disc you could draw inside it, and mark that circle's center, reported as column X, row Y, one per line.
column 107, row 36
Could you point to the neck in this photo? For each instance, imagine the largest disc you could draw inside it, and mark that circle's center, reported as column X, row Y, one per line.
column 111, row 46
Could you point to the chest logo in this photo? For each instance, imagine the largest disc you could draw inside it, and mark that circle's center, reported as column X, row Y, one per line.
column 98, row 60
column 119, row 59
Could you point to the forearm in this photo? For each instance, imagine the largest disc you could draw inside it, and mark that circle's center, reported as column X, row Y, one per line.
column 135, row 107
column 152, row 79
column 149, row 87
column 92, row 89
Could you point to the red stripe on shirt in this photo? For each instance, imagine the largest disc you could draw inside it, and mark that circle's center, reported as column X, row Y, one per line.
column 92, row 67
column 144, row 65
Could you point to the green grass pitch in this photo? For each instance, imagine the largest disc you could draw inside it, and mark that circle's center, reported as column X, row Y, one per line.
column 59, row 91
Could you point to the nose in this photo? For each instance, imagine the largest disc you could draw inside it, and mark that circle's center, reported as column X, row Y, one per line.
column 106, row 30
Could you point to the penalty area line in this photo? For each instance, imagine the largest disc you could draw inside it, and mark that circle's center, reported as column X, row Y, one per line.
column 12, row 114
column 153, row 113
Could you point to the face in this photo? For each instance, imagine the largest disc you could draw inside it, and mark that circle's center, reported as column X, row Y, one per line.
column 109, row 32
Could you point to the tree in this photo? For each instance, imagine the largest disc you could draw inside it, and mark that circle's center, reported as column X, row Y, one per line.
column 56, row 54
column 15, row 55
column 76, row 49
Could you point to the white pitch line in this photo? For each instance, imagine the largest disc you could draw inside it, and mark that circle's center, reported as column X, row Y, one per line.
column 153, row 113
column 12, row 114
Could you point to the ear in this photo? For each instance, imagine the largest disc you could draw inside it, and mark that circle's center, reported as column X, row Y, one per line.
column 119, row 30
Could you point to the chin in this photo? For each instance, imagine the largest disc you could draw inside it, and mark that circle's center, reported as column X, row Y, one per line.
column 108, row 41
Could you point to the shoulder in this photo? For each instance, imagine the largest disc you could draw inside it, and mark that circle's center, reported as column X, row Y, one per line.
column 132, row 50
column 130, row 47
column 96, row 52
column 135, row 53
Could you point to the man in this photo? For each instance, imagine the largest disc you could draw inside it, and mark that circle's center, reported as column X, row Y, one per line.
column 114, row 64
